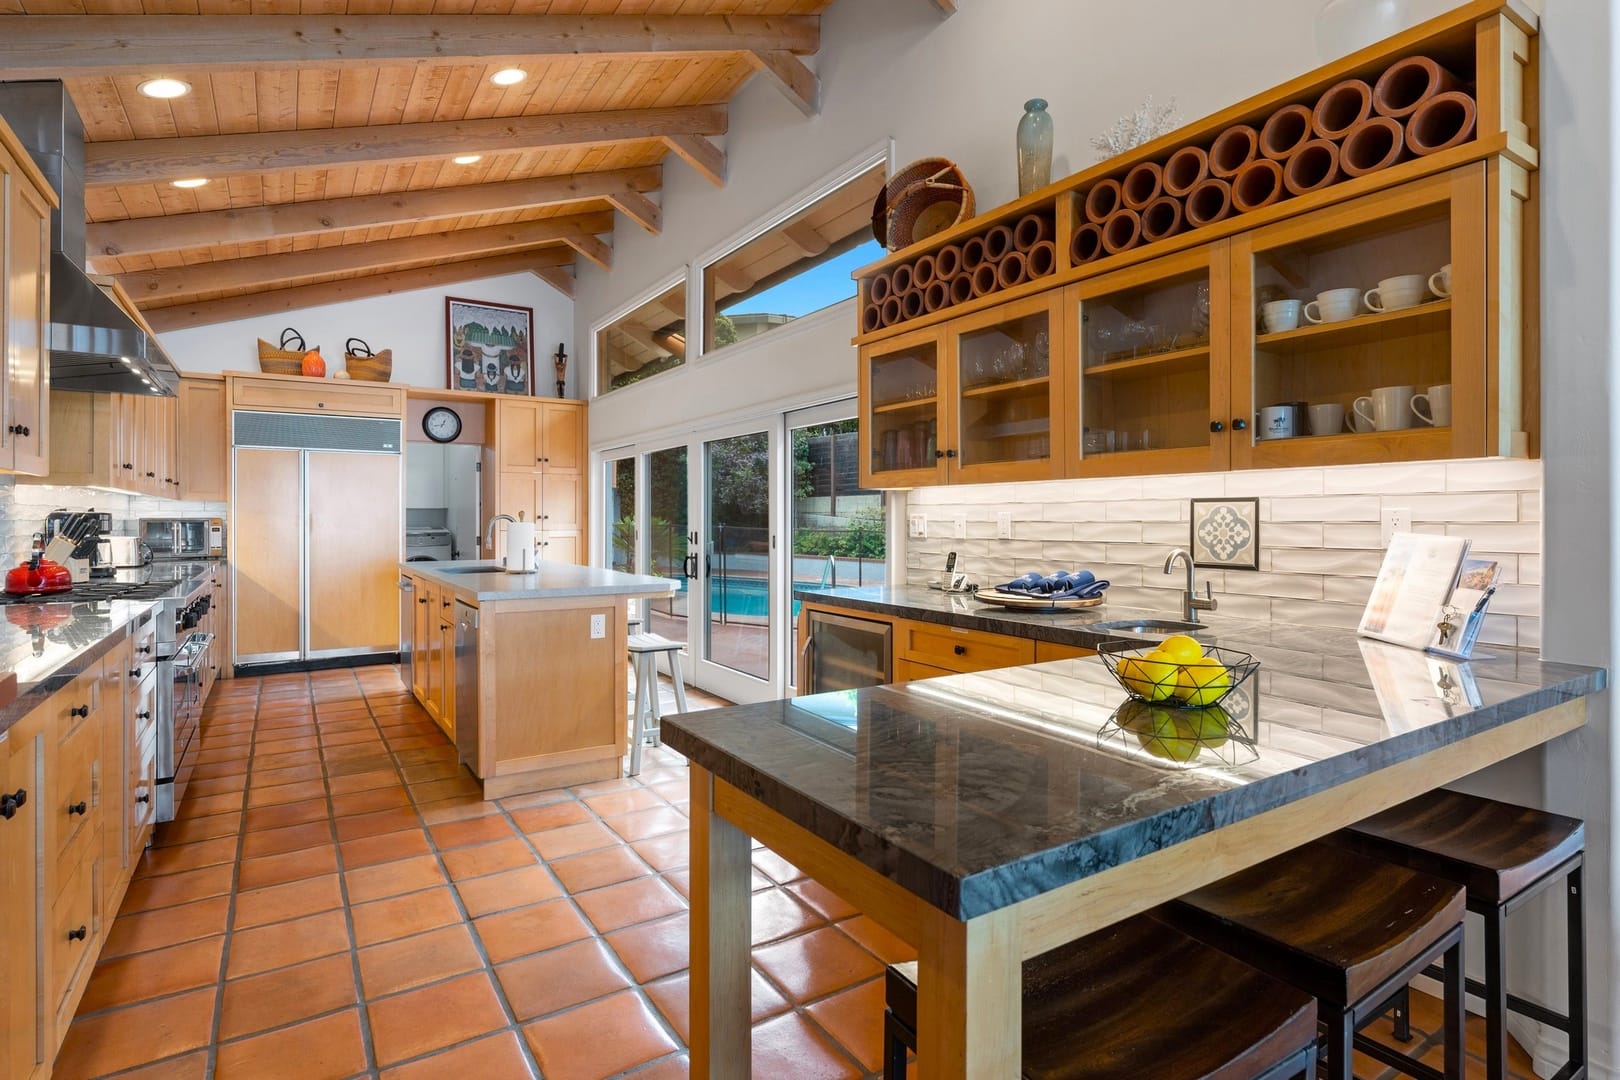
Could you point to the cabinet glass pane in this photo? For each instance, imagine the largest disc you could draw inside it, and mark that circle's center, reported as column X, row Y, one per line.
column 1145, row 355
column 905, row 408
column 1355, row 351
column 1005, row 377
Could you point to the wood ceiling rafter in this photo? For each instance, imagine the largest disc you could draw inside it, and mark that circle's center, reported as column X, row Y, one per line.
column 792, row 76
column 698, row 152
column 74, row 46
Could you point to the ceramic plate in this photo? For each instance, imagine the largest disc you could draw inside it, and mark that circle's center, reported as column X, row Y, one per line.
column 1036, row 603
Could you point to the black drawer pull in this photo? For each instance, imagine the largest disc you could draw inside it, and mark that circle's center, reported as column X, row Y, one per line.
column 135, row 674
column 80, row 934
column 960, row 650
column 82, row 710
column 147, row 715
column 79, row 807
column 143, row 798
column 9, row 804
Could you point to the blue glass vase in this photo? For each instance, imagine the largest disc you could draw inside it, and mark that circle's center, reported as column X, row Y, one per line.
column 1034, row 147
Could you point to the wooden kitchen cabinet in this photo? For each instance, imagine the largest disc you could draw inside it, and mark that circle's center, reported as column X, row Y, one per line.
column 539, row 451
column 132, row 442
column 266, row 546
column 444, row 675
column 26, row 1043
column 201, row 440
column 353, row 546
column 294, row 393
column 532, row 432
column 25, row 434
column 424, row 641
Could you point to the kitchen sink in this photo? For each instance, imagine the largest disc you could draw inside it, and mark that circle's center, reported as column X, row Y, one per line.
column 462, row 568
column 1150, row 627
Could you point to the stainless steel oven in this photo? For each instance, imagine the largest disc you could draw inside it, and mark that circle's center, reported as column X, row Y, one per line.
column 184, row 538
column 182, row 661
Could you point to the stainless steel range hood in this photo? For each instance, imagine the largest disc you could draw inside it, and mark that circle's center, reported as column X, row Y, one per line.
column 94, row 342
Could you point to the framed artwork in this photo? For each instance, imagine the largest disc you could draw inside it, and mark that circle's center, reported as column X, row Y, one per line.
column 1226, row 533
column 488, row 347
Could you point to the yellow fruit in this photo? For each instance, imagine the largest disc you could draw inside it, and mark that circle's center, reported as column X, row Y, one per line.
column 1203, row 682
column 1173, row 739
column 1210, row 725
column 1181, row 649
column 1150, row 676
column 1142, row 718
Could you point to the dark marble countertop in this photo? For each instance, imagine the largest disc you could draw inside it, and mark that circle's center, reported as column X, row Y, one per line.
column 49, row 643
column 977, row 791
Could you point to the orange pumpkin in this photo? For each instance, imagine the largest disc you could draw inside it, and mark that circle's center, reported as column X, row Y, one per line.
column 314, row 365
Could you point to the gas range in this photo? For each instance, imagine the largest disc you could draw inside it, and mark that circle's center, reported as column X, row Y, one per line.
column 89, row 592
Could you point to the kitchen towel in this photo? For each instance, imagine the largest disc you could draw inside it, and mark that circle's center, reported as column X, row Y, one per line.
column 1062, row 585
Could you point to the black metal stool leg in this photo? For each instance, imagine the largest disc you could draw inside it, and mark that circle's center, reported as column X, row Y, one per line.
column 1403, row 1014
column 1495, row 995
column 894, row 1047
column 1341, row 1034
column 1456, row 1005
column 1577, row 971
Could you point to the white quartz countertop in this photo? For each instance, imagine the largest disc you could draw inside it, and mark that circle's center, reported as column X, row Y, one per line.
column 485, row 581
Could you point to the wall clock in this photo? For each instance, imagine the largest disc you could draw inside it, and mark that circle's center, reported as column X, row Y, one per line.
column 442, row 424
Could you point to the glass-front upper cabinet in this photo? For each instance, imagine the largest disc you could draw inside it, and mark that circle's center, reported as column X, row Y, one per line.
column 1153, row 351
column 1006, row 391
column 903, row 406
column 1368, row 336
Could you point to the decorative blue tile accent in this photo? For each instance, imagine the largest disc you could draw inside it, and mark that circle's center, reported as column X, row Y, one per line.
column 1226, row 533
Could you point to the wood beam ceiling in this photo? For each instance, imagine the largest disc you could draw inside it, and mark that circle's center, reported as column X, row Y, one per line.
column 791, row 76
column 70, row 46
column 279, row 301
column 639, row 209
column 249, row 224
column 593, row 248
column 140, row 161
column 560, row 278
column 701, row 154
column 268, row 271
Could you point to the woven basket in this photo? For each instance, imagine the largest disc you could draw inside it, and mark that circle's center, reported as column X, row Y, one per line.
column 363, row 364
column 286, row 359
column 926, row 197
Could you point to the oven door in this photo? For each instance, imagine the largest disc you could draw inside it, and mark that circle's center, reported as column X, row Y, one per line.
column 180, row 681
column 161, row 537
column 191, row 538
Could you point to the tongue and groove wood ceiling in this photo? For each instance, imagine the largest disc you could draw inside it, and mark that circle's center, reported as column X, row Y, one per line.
column 327, row 133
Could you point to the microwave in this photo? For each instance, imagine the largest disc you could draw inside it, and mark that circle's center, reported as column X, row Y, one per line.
column 184, row 538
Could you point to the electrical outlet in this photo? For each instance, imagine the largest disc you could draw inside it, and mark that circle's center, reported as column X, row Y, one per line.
column 598, row 626
column 961, row 526
column 1004, row 525
column 917, row 526
column 1397, row 519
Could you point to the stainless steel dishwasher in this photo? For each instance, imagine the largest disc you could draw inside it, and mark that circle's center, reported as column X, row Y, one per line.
column 466, row 669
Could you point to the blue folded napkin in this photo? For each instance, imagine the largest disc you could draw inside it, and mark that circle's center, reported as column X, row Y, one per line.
column 1080, row 585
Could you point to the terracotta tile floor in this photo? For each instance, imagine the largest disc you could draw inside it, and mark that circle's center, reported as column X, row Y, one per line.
column 336, row 901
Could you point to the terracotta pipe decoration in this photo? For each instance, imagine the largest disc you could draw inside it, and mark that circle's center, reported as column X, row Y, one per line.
column 1162, row 218
column 892, row 310
column 1408, row 83
column 1102, row 200
column 997, row 242
column 1122, row 231
column 1345, row 105
column 1288, row 129
column 1444, row 121
column 1209, row 202
column 936, row 296
column 911, row 303
column 1232, row 149
column 1030, row 230
column 984, row 279
column 1041, row 259
column 948, row 262
column 878, row 289
column 871, row 318
column 1375, row 143
column 900, row 279
column 961, row 288
column 1142, row 185
column 1012, row 270
column 922, row 272
column 1259, row 184
column 1315, row 166
column 972, row 253
column 1087, row 243
column 1185, row 170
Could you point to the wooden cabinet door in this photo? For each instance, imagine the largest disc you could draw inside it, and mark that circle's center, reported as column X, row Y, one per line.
column 115, row 753
column 562, row 435
column 563, row 547
column 903, row 431
column 128, row 455
column 446, row 672
column 353, row 533
column 517, row 432
column 268, row 600
column 28, row 376
column 516, row 494
column 425, row 647
column 562, row 501
column 201, row 441
column 22, row 1051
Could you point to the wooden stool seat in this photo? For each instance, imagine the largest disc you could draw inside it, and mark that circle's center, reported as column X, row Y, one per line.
column 1142, row 999
column 647, row 720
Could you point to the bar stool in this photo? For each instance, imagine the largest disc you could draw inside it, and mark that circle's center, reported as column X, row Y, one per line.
column 1503, row 855
column 1348, row 929
column 1139, row 999
column 647, row 719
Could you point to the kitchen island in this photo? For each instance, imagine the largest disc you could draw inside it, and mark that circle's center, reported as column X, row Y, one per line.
column 526, row 672
column 989, row 817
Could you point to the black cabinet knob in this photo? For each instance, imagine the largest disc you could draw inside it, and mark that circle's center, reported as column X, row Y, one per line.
column 79, row 807
column 127, row 465
column 153, row 475
column 938, row 454
column 135, row 674
column 1216, row 426
column 147, row 715
column 960, row 650
column 143, row 798
column 9, row 804
column 1240, row 424
column 421, row 600
column 80, row 934
column 82, row 710
column 23, row 431
column 950, row 453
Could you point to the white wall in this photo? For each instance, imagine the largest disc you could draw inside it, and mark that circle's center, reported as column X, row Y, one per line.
column 410, row 323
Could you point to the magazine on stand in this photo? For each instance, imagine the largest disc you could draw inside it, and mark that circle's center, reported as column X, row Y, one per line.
column 1413, row 587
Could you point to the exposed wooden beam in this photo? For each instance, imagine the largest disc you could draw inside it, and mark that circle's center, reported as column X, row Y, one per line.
column 806, row 239
column 734, row 280
column 593, row 248
column 270, row 271
column 560, row 278
column 701, row 154
column 791, row 76
column 946, row 7
column 140, row 161
column 639, row 209
column 673, row 344
column 281, row 301
column 97, row 45
column 248, row 224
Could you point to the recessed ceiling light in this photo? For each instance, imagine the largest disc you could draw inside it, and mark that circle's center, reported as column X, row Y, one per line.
column 165, row 88
column 192, row 183
column 508, row 76
column 467, row 159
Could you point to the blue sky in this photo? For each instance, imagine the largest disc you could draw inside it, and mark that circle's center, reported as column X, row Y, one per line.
column 811, row 291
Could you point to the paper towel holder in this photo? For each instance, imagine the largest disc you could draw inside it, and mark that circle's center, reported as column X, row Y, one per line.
column 520, row 549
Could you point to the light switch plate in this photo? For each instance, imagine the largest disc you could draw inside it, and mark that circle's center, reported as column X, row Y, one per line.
column 917, row 526
column 598, row 626
column 1396, row 519
column 1004, row 525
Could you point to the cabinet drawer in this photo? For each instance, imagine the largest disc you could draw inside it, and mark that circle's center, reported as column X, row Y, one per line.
column 911, row 671
column 73, row 707
column 319, row 396
column 75, row 940
column 72, row 796
column 962, row 650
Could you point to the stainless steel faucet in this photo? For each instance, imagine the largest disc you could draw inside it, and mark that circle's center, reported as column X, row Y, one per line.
column 1192, row 603
column 489, row 533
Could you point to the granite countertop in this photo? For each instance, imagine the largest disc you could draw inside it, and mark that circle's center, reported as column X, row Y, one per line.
column 48, row 644
column 485, row 581
column 977, row 791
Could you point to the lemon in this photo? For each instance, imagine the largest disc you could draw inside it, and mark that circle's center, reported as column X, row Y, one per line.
column 1210, row 725
column 1181, row 649
column 1142, row 718
column 1203, row 681
column 1172, row 739
column 1152, row 676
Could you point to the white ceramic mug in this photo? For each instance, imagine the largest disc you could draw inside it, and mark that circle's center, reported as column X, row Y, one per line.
column 1440, row 282
column 1389, row 408
column 1395, row 293
column 1280, row 315
column 1327, row 419
column 1275, row 422
column 1334, row 305
column 1436, row 411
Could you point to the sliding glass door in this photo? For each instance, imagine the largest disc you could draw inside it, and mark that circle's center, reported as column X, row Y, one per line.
column 737, row 564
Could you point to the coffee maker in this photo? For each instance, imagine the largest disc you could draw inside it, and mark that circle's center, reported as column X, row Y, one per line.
column 87, row 528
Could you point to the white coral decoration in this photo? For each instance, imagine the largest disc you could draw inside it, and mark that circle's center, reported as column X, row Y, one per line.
column 1147, row 123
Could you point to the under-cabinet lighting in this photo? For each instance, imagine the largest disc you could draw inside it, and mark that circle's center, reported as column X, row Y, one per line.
column 165, row 88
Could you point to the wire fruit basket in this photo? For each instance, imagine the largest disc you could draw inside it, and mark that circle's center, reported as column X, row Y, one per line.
column 1180, row 737
column 1197, row 684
